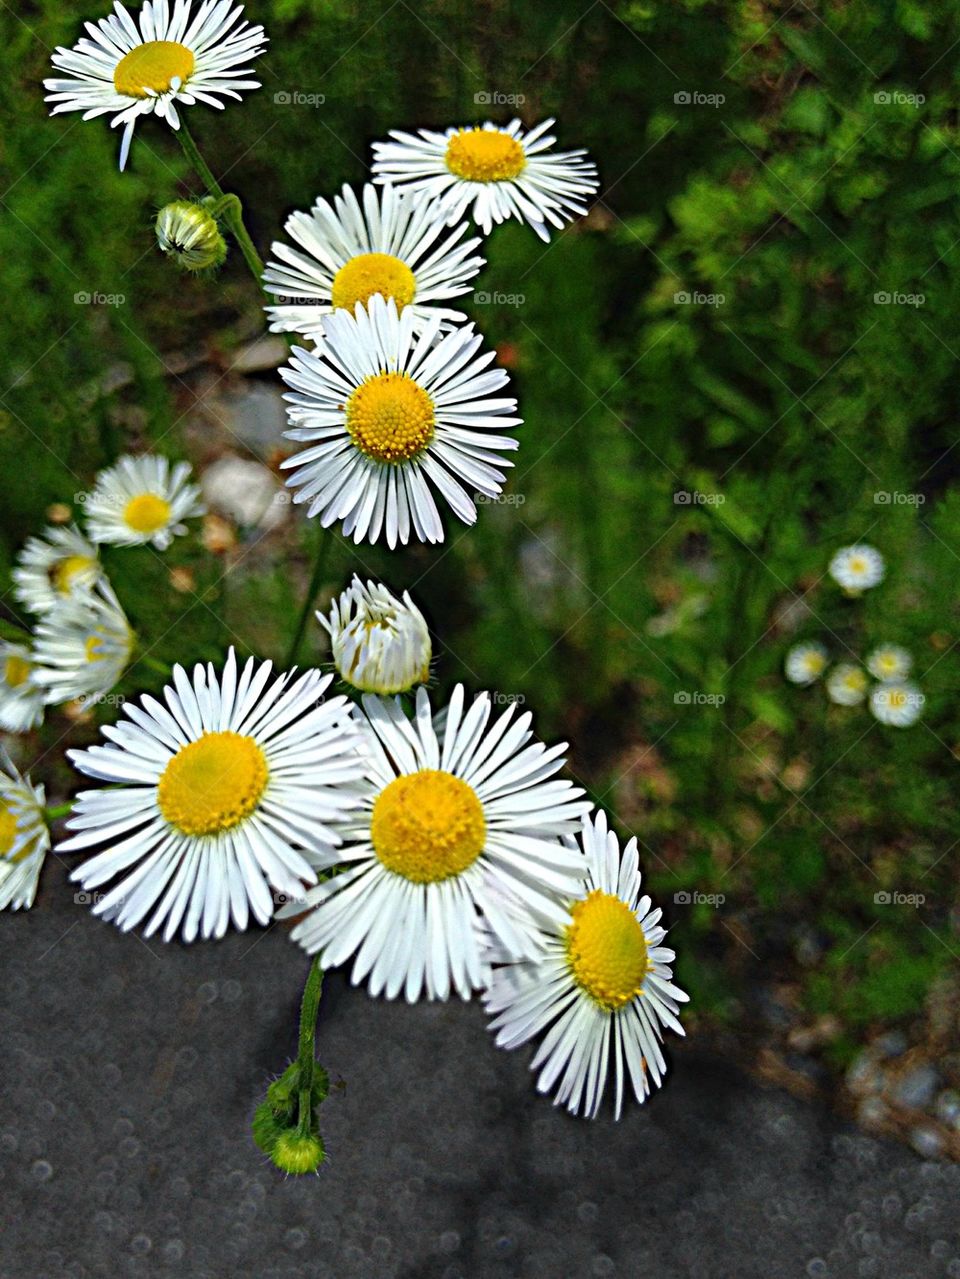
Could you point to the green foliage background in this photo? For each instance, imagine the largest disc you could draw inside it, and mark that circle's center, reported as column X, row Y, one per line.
column 598, row 597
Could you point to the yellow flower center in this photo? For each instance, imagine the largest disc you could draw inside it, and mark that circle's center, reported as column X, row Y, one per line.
column 95, row 646
column 369, row 273
column 63, row 572
column 606, row 950
column 485, row 155
column 888, row 662
column 146, row 513
column 857, row 565
column 213, row 784
column 8, row 828
column 856, row 681
column 428, row 826
column 390, row 417
column 15, row 670
column 897, row 698
column 152, row 66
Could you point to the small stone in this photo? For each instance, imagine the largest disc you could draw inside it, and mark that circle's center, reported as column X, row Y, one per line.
column 891, row 1044
column 265, row 353
column 917, row 1088
column 948, row 1108
column 927, row 1142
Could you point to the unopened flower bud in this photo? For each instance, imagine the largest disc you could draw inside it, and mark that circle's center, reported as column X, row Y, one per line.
column 380, row 644
column 190, row 234
column 298, row 1153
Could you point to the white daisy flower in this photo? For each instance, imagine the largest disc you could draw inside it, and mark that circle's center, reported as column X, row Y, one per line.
column 51, row 567
column 392, row 246
column 495, row 172
column 212, row 798
column 21, row 700
column 24, row 837
column 602, row 988
column 805, row 663
column 380, row 644
column 140, row 500
column 182, row 53
column 897, row 703
column 453, row 823
column 889, row 662
column 387, row 415
column 847, row 684
column 856, row 568
column 82, row 647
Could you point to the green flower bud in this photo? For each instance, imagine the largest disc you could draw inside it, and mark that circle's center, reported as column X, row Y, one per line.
column 298, row 1153
column 190, row 234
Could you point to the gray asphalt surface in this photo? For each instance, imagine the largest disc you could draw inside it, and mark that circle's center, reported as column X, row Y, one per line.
column 130, row 1071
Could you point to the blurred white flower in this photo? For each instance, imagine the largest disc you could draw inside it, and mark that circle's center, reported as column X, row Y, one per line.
column 897, row 704
column 245, row 491
column 847, row 684
column 889, row 662
column 380, row 644
column 141, row 499
column 805, row 663
column 856, row 568
column 21, row 700
column 82, row 647
column 51, row 567
column 24, row 837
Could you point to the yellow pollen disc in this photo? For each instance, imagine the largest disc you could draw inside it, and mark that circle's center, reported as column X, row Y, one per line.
column 857, row 565
column 64, row 571
column 606, row 950
column 152, row 66
column 94, row 647
column 485, row 155
column 8, row 828
column 213, row 784
column 428, row 826
column 390, row 417
column 146, row 513
column 15, row 671
column 369, row 273
column 898, row 699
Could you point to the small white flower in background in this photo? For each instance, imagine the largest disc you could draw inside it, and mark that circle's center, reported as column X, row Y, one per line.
column 21, row 700
column 458, row 814
column 847, row 684
column 380, row 644
column 493, row 172
column 178, row 53
column 602, row 991
column 889, row 662
column 215, row 797
column 51, row 567
column 141, row 500
column 386, row 414
column 82, row 647
column 246, row 491
column 24, row 837
column 857, row 568
column 898, row 704
column 805, row 663
column 391, row 245
column 189, row 234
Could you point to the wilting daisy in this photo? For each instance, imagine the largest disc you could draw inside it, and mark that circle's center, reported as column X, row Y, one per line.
column 387, row 415
column 212, row 797
column 856, row 568
column 346, row 253
column 21, row 700
column 495, row 172
column 805, row 663
column 178, row 53
column 51, row 567
column 82, row 647
column 898, row 704
column 380, row 644
column 454, row 822
column 847, row 684
column 24, row 837
column 141, row 499
column 889, row 662
column 602, row 989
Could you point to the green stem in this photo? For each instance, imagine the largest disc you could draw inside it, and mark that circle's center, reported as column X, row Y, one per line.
column 57, row 811
column 154, row 664
column 319, row 565
column 306, row 1049
column 228, row 207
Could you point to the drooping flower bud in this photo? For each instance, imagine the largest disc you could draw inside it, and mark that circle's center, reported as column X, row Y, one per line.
column 189, row 233
column 380, row 644
column 298, row 1153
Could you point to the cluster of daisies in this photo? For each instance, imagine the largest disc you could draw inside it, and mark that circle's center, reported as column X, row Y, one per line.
column 883, row 679
column 81, row 641
column 435, row 849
